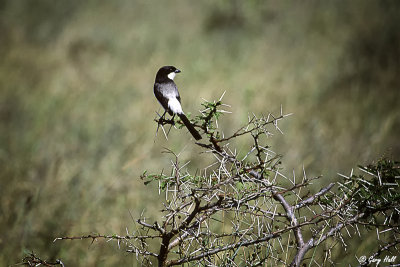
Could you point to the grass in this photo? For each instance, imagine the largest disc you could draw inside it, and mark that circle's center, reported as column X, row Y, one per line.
column 77, row 108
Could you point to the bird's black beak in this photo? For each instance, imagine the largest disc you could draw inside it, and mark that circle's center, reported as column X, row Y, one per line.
column 177, row 71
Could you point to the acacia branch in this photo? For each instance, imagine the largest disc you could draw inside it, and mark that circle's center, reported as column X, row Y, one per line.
column 312, row 198
column 33, row 260
column 312, row 242
column 224, row 248
column 243, row 195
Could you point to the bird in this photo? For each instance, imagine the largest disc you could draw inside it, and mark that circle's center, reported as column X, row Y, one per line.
column 168, row 96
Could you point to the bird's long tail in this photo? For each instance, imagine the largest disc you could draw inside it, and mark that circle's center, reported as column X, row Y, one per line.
column 190, row 126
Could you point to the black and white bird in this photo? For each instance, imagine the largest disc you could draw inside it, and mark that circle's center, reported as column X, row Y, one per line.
column 167, row 94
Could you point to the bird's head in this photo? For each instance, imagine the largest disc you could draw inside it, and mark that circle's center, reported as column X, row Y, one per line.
column 167, row 72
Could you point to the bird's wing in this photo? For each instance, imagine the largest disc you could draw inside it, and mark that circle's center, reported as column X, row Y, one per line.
column 160, row 97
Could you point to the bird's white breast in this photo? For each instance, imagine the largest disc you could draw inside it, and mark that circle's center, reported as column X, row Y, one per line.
column 175, row 106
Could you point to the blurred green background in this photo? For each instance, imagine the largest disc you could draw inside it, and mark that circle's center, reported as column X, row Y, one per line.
column 77, row 107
